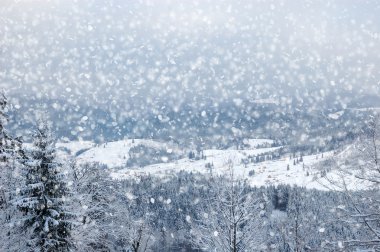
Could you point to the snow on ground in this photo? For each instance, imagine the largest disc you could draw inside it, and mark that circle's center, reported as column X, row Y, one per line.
column 235, row 156
column 306, row 174
column 276, row 172
column 337, row 115
column 75, row 146
column 345, row 173
column 265, row 173
column 220, row 159
column 115, row 154
column 270, row 172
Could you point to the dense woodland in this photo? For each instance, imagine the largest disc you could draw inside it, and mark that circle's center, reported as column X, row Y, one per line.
column 50, row 205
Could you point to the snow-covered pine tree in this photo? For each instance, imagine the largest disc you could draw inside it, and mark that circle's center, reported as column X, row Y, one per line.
column 10, row 155
column 296, row 219
column 5, row 139
column 9, row 147
column 44, row 197
column 5, row 145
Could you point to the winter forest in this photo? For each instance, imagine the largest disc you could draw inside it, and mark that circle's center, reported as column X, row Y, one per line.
column 189, row 125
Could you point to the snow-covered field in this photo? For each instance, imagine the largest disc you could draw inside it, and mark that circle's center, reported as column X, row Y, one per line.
column 220, row 159
column 112, row 154
column 74, row 147
column 216, row 162
column 266, row 173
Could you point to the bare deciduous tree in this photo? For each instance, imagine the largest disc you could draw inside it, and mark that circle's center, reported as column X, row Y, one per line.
column 231, row 218
column 359, row 170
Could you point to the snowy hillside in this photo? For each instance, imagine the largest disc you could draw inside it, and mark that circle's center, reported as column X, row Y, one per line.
column 266, row 173
column 271, row 169
column 112, row 154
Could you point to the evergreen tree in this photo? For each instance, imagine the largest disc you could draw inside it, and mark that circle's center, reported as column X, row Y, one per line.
column 10, row 148
column 5, row 149
column 43, row 199
column 10, row 154
column 5, row 140
column 295, row 211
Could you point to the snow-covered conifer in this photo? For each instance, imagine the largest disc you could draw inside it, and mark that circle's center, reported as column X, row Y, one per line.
column 44, row 197
column 10, row 155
